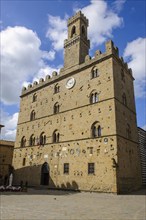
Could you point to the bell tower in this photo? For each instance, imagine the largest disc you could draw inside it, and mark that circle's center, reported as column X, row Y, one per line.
column 76, row 47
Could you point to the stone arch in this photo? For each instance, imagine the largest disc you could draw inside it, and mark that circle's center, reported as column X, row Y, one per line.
column 45, row 174
column 83, row 30
column 73, row 31
column 56, row 136
column 34, row 98
column 42, row 138
column 23, row 141
column 56, row 108
column 94, row 72
column 56, row 88
column 95, row 130
column 32, row 140
column 94, row 97
column 32, row 115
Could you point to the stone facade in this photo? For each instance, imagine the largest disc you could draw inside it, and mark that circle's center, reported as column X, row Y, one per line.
column 6, row 156
column 77, row 129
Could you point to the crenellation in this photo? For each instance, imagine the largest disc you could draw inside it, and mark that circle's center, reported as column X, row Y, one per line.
column 126, row 66
column 41, row 80
column 111, row 49
column 87, row 58
column 130, row 71
column 54, row 74
column 116, row 49
column 35, row 83
column 77, row 16
column 29, row 86
column 23, row 89
column 122, row 60
column 109, row 46
column 47, row 78
column 98, row 53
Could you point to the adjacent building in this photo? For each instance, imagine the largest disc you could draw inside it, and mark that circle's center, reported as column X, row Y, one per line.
column 6, row 156
column 142, row 146
column 77, row 129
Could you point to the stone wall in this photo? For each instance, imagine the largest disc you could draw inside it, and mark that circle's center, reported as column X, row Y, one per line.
column 111, row 152
column 6, row 156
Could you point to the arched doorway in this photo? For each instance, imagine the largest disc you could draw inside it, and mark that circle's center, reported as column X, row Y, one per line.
column 45, row 174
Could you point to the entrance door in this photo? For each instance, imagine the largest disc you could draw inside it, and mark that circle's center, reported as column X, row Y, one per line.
column 45, row 174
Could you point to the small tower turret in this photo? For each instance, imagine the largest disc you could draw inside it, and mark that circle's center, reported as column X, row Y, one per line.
column 77, row 45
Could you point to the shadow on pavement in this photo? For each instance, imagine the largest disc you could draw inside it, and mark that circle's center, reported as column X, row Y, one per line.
column 41, row 191
column 60, row 192
column 141, row 191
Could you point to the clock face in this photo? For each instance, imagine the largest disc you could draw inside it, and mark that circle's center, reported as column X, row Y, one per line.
column 70, row 83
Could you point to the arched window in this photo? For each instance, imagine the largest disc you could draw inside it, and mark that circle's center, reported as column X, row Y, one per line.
column 56, row 88
column 23, row 141
column 32, row 140
column 94, row 72
column 34, row 98
column 73, row 31
column 42, row 138
column 99, row 131
column 124, row 99
column 122, row 75
column 56, row 108
column 56, row 136
column 95, row 130
column 32, row 115
column 83, row 30
column 128, row 131
column 94, row 97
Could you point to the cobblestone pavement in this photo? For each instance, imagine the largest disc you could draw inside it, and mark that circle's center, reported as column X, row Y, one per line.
column 61, row 205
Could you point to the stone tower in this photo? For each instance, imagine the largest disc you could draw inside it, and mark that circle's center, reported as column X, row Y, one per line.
column 77, row 128
column 77, row 45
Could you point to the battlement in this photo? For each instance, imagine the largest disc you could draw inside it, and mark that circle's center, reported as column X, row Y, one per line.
column 110, row 50
column 78, row 15
column 41, row 82
column 125, row 65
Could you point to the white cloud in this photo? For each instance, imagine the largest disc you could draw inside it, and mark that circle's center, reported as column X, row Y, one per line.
column 47, row 70
column 42, row 73
column 118, row 5
column 135, row 53
column 10, row 122
column 57, row 31
column 48, row 55
column 102, row 21
column 21, row 59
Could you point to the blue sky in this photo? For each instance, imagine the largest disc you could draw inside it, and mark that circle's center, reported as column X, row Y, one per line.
column 32, row 35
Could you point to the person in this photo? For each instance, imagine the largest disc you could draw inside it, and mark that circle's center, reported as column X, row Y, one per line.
column 25, row 187
column 21, row 184
column 10, row 179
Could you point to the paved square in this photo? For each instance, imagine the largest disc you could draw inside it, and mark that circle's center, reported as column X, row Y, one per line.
column 61, row 205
